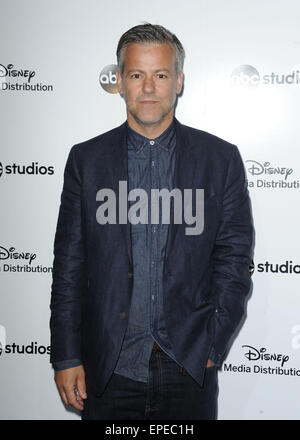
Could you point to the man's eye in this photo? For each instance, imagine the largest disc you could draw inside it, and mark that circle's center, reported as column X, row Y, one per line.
column 135, row 76
column 161, row 76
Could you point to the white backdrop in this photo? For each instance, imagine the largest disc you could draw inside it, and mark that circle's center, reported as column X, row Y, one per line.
column 242, row 83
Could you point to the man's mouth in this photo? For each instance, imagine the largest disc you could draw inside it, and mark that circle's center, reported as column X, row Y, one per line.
column 148, row 101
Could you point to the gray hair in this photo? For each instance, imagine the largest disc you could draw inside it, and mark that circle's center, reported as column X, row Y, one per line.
column 150, row 33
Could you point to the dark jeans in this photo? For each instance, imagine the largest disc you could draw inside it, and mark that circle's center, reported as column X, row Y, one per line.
column 170, row 393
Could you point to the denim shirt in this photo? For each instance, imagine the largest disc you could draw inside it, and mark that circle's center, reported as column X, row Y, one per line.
column 151, row 164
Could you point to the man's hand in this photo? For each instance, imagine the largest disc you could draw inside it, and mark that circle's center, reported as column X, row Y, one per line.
column 71, row 386
column 209, row 364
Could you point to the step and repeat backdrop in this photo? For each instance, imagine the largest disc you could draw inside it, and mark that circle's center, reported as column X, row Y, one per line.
column 57, row 88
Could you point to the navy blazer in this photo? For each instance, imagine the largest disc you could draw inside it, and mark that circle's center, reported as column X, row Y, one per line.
column 206, row 277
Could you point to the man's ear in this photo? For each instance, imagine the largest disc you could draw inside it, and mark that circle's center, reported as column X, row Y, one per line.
column 179, row 83
column 119, row 82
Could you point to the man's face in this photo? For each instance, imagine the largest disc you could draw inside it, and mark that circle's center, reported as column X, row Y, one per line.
column 149, row 82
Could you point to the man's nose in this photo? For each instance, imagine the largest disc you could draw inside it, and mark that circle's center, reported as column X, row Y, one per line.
column 148, row 85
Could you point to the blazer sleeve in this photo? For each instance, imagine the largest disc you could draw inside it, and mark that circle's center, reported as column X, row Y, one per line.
column 232, row 257
column 68, row 269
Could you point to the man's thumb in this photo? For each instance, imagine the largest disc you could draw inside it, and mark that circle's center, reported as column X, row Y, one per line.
column 81, row 386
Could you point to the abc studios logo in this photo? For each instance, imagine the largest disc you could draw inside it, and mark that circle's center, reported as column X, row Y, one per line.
column 108, row 78
column 245, row 75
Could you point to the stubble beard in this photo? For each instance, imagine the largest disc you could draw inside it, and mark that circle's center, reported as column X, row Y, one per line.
column 149, row 123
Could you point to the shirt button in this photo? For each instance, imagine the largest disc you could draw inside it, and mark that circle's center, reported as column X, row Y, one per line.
column 152, row 142
column 122, row 315
column 129, row 274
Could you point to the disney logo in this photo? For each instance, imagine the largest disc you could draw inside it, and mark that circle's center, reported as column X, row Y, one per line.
column 9, row 71
column 9, row 253
column 253, row 354
column 257, row 168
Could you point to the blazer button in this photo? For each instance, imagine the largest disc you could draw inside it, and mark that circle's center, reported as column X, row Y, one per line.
column 129, row 274
column 122, row 315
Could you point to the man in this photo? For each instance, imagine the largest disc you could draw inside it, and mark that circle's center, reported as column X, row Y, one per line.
column 143, row 311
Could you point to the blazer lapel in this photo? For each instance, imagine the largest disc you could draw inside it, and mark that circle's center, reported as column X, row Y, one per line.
column 185, row 165
column 120, row 171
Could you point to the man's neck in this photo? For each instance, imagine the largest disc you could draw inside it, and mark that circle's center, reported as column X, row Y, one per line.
column 150, row 131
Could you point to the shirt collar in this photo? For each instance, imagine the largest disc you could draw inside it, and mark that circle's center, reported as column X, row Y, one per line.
column 137, row 142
